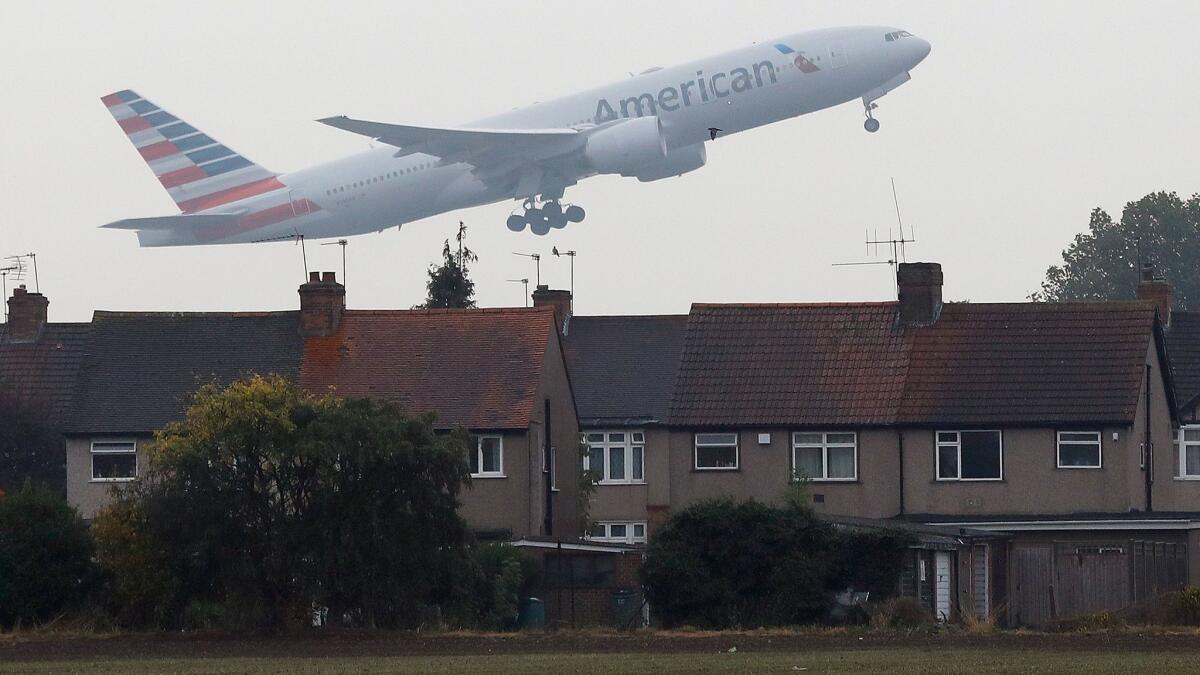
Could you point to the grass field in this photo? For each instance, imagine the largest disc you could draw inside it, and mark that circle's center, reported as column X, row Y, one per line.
column 1128, row 650
column 904, row 660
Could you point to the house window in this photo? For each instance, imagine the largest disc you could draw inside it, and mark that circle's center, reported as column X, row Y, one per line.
column 114, row 461
column 716, row 451
column 551, row 467
column 568, row 570
column 487, row 460
column 616, row 456
column 1079, row 450
column 969, row 455
column 623, row 532
column 1187, row 443
column 825, row 455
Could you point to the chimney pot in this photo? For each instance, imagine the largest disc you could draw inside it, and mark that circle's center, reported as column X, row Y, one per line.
column 322, row 303
column 919, row 293
column 26, row 315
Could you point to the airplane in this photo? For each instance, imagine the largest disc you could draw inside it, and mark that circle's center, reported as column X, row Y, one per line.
column 650, row 126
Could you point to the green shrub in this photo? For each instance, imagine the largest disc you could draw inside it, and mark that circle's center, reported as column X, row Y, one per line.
column 1176, row 608
column 1087, row 623
column 489, row 589
column 45, row 556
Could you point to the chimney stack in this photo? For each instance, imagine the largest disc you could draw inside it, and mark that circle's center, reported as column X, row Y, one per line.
column 920, row 293
column 1158, row 291
column 543, row 296
column 26, row 315
column 322, row 302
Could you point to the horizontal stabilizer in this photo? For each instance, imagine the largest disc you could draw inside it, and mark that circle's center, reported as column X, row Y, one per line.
column 180, row 222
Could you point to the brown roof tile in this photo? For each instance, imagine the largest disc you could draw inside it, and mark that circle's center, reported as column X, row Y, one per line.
column 479, row 368
column 44, row 371
column 849, row 365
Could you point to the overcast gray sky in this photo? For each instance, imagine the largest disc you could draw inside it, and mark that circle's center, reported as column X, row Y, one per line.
column 1025, row 116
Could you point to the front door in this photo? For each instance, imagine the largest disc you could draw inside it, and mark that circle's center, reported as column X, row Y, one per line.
column 941, row 585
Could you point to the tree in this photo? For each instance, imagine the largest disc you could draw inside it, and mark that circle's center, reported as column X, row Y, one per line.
column 45, row 556
column 450, row 285
column 1101, row 264
column 31, row 449
column 266, row 500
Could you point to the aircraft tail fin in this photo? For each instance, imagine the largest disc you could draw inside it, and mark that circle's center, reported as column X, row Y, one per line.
column 198, row 172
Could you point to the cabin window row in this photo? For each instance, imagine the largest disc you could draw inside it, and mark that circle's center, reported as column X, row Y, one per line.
column 378, row 179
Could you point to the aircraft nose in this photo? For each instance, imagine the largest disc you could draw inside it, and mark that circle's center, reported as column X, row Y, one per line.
column 921, row 48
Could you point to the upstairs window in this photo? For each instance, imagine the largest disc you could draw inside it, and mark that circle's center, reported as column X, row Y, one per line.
column 1079, row 450
column 825, row 456
column 969, row 455
column 114, row 461
column 617, row 457
column 1187, row 443
column 716, row 451
column 487, row 456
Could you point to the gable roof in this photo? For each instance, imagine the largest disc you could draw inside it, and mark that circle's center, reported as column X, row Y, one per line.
column 852, row 365
column 142, row 367
column 44, row 371
column 1183, row 345
column 478, row 368
column 623, row 367
column 1029, row 363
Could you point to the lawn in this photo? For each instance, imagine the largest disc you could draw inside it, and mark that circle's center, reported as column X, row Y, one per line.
column 825, row 660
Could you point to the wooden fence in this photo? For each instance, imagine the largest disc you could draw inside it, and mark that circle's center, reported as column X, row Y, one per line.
column 1060, row 580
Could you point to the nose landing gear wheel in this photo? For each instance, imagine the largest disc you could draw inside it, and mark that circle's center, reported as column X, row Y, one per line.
column 871, row 125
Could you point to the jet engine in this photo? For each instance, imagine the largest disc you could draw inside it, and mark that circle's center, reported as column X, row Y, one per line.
column 628, row 147
column 676, row 163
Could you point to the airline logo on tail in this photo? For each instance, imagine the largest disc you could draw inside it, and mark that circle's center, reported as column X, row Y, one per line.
column 802, row 62
column 197, row 171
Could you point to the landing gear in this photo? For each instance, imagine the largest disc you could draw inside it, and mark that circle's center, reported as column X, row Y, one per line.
column 872, row 124
column 550, row 215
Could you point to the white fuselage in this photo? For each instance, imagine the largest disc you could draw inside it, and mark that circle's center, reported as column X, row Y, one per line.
column 730, row 92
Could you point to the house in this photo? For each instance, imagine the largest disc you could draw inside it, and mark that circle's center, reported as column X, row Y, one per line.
column 39, row 361
column 498, row 373
column 1036, row 421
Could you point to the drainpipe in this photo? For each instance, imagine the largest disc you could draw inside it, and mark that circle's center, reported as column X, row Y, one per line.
column 1149, row 449
column 548, row 478
column 900, row 437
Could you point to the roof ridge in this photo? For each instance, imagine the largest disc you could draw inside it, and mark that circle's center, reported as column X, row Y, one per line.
column 464, row 311
column 789, row 305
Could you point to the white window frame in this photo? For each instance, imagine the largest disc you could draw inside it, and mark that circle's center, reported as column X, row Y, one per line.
column 552, row 469
column 115, row 441
column 633, row 438
column 1099, row 443
column 1181, row 451
column 937, row 454
column 479, row 456
column 824, row 447
column 737, row 451
column 630, row 536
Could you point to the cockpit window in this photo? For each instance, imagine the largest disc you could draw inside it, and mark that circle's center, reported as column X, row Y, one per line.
column 892, row 37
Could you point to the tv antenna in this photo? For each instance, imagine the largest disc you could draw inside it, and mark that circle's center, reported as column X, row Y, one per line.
column 19, row 263
column 897, row 244
column 571, row 255
column 342, row 243
column 522, row 281
column 296, row 237
column 16, row 269
column 537, row 263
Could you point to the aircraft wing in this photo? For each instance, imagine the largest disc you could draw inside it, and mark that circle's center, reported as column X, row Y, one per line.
column 475, row 146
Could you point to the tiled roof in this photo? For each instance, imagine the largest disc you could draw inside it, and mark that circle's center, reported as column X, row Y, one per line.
column 479, row 368
column 623, row 367
column 829, row 364
column 850, row 365
column 142, row 367
column 1183, row 346
column 44, row 371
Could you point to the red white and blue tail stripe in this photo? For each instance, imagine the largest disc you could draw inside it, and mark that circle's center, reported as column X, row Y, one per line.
column 198, row 172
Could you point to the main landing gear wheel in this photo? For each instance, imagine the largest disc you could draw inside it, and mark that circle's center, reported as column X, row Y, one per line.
column 872, row 124
column 574, row 214
column 539, row 224
column 550, row 215
column 516, row 223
